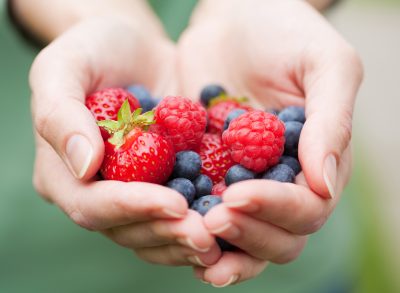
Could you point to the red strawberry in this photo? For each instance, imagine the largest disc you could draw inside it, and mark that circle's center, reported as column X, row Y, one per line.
column 256, row 140
column 219, row 110
column 104, row 104
column 182, row 121
column 216, row 158
column 132, row 154
column 219, row 188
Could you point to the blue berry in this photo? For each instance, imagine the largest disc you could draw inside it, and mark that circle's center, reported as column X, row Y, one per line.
column 292, row 113
column 203, row 185
column 224, row 245
column 280, row 172
column 272, row 111
column 187, row 165
column 183, row 186
column 209, row 92
column 292, row 163
column 205, row 203
column 238, row 173
column 143, row 95
column 156, row 100
column 292, row 137
column 232, row 115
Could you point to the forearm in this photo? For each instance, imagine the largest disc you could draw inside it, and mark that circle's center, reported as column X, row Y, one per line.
column 218, row 7
column 46, row 20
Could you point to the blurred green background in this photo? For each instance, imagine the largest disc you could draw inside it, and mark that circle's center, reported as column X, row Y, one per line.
column 42, row 251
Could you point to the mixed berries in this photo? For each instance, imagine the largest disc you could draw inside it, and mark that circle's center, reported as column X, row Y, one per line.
column 198, row 149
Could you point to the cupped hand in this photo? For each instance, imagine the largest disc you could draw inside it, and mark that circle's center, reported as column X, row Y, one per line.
column 152, row 220
column 278, row 53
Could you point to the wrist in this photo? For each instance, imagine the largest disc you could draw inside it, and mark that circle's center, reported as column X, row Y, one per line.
column 31, row 16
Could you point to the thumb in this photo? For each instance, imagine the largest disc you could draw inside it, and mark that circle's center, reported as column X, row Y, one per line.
column 60, row 115
column 330, row 97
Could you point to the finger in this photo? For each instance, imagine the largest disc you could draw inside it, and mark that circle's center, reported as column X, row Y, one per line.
column 331, row 83
column 98, row 205
column 231, row 268
column 189, row 231
column 59, row 113
column 177, row 255
column 290, row 206
column 74, row 66
column 259, row 239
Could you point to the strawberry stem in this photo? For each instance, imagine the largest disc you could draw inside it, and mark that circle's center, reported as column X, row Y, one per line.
column 126, row 122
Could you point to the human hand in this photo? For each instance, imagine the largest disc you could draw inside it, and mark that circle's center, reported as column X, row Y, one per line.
column 152, row 220
column 278, row 53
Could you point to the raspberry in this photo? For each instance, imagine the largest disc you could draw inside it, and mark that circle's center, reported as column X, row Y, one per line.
column 219, row 188
column 218, row 112
column 256, row 140
column 181, row 121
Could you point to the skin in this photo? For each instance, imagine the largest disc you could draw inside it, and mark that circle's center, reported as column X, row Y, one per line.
column 277, row 53
column 300, row 60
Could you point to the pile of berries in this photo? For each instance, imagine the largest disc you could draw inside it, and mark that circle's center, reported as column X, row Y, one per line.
column 195, row 148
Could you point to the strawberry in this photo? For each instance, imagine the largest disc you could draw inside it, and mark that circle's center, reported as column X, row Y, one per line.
column 219, row 110
column 256, row 140
column 215, row 156
column 182, row 121
column 104, row 104
column 132, row 153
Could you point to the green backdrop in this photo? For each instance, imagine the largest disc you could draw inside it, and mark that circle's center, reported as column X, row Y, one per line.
column 41, row 250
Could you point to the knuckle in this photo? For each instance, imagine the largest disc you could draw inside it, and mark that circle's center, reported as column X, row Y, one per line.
column 345, row 125
column 120, row 238
column 37, row 182
column 292, row 254
column 45, row 118
column 318, row 220
column 78, row 217
column 355, row 62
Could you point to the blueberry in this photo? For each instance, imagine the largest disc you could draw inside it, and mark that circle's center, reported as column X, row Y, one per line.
column 156, row 100
column 292, row 137
column 280, row 172
column 143, row 95
column 202, row 206
column 238, row 173
column 187, row 165
column 203, row 185
column 272, row 111
column 209, row 92
column 224, row 245
column 292, row 113
column 183, row 186
column 292, row 163
column 205, row 203
column 232, row 115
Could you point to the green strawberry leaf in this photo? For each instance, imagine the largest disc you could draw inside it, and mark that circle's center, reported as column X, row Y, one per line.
column 110, row 125
column 136, row 114
column 124, row 113
column 224, row 98
column 118, row 138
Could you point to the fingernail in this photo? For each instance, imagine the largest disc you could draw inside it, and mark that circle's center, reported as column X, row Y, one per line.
column 231, row 280
column 243, row 205
column 329, row 173
column 194, row 259
column 189, row 242
column 228, row 231
column 79, row 154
